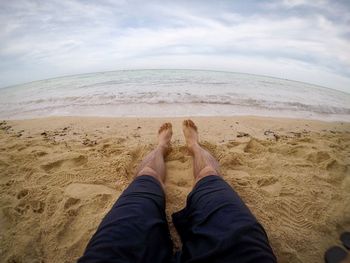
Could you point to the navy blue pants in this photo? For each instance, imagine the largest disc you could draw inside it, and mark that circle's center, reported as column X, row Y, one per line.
column 215, row 226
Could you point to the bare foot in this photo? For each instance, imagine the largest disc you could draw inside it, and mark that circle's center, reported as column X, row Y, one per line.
column 165, row 133
column 190, row 131
column 204, row 164
column 153, row 164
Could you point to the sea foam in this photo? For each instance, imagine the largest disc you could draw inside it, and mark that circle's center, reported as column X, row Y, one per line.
column 151, row 93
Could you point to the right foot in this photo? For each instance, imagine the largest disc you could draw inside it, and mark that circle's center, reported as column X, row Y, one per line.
column 191, row 134
column 204, row 163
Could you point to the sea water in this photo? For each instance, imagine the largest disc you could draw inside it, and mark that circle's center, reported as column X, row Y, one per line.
column 160, row 93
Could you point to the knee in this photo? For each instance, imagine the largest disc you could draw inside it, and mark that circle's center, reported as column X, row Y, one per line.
column 149, row 171
column 206, row 171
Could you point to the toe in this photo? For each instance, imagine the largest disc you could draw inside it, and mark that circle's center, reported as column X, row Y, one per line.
column 192, row 125
column 163, row 127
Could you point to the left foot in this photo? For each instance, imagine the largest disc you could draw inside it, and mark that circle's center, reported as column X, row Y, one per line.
column 164, row 136
column 153, row 163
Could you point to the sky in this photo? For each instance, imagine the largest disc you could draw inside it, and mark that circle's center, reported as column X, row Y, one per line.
column 300, row 40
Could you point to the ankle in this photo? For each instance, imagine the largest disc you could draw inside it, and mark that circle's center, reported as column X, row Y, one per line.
column 194, row 147
column 163, row 148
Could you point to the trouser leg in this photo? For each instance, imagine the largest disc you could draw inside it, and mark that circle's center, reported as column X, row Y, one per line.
column 216, row 226
column 135, row 229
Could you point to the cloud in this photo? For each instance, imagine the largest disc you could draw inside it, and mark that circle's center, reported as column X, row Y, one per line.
column 295, row 39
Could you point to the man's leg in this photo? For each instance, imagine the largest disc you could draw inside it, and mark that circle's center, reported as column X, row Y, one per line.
column 216, row 226
column 136, row 229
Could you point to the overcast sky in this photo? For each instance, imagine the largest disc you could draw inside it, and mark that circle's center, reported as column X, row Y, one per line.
column 295, row 39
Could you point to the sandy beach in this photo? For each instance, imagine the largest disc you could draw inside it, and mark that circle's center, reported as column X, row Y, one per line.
column 59, row 176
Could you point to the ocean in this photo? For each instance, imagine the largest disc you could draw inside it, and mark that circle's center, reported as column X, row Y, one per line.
column 166, row 93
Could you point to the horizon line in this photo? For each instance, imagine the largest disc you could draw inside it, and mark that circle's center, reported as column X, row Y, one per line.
column 184, row 69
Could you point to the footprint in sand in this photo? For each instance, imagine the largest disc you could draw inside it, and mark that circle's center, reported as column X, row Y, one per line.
column 318, row 157
column 71, row 205
column 87, row 191
column 270, row 186
column 66, row 163
column 81, row 201
column 25, row 206
column 336, row 167
column 77, row 195
column 71, row 202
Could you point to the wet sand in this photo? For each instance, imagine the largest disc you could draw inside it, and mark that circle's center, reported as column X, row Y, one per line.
column 59, row 177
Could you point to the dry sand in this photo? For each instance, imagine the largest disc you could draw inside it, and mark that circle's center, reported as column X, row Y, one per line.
column 60, row 176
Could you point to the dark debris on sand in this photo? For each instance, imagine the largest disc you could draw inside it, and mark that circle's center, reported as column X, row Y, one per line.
column 272, row 133
column 242, row 134
column 88, row 142
column 5, row 127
